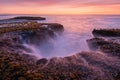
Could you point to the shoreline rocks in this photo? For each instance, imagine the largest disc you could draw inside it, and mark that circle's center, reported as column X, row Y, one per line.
column 95, row 43
column 110, row 45
column 15, row 65
column 80, row 66
column 106, row 32
column 27, row 18
column 108, row 42
column 31, row 33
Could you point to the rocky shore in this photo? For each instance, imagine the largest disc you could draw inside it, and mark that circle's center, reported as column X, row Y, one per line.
column 106, row 32
column 16, row 64
column 108, row 41
column 27, row 18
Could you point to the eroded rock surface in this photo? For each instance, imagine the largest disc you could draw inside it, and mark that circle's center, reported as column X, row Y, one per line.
column 80, row 66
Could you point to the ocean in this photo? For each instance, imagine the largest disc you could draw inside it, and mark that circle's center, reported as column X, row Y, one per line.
column 77, row 29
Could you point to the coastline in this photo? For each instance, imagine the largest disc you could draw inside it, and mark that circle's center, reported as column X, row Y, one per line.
column 82, row 65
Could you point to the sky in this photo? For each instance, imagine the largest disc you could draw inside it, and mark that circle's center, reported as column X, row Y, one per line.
column 60, row 7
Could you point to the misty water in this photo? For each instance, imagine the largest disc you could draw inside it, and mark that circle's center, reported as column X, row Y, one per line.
column 77, row 29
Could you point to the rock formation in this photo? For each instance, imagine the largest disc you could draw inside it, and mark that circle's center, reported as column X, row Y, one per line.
column 16, row 64
column 31, row 33
column 108, row 43
column 106, row 32
column 27, row 18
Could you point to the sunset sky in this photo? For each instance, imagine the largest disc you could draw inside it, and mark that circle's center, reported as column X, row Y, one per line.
column 60, row 7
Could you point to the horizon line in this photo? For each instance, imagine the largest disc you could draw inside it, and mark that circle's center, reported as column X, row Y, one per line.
column 59, row 14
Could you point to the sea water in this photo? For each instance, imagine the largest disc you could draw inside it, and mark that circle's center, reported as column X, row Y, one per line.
column 77, row 29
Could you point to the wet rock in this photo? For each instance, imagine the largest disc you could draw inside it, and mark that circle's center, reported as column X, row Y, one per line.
column 56, row 27
column 41, row 35
column 30, row 25
column 106, row 32
column 109, row 47
column 114, row 40
column 42, row 61
column 81, row 66
column 31, row 33
column 28, row 18
column 85, row 66
column 95, row 43
column 14, row 66
column 29, row 57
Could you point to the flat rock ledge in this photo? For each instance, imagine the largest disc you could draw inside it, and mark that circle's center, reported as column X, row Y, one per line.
column 28, row 18
column 106, row 32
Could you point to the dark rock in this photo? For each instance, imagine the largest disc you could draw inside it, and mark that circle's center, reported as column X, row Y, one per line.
column 56, row 27
column 29, row 18
column 111, row 48
column 31, row 33
column 106, row 32
column 38, row 36
column 99, row 67
column 30, row 25
column 42, row 61
column 106, row 46
column 95, row 43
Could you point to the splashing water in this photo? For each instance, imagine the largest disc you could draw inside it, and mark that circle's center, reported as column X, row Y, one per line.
column 77, row 30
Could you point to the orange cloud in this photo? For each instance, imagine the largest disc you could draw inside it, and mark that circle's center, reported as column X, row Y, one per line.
column 69, row 7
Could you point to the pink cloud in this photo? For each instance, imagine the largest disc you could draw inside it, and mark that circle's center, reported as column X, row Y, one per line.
column 70, row 3
column 59, row 6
